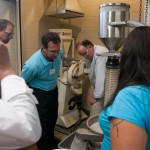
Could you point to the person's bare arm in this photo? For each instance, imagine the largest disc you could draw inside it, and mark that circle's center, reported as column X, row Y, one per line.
column 5, row 65
column 127, row 136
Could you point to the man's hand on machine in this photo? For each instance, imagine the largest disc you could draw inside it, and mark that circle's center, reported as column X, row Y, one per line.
column 93, row 100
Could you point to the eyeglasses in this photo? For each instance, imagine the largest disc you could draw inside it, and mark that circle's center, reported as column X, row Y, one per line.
column 9, row 33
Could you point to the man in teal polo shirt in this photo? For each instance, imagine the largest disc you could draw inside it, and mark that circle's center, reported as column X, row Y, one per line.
column 40, row 72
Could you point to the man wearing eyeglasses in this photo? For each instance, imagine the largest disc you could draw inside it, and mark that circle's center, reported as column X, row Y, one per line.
column 6, row 30
column 40, row 72
column 96, row 66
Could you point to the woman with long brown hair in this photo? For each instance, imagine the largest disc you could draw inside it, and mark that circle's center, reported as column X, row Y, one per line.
column 125, row 121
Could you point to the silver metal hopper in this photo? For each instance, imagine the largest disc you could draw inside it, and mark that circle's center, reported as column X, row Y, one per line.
column 114, row 22
column 111, row 36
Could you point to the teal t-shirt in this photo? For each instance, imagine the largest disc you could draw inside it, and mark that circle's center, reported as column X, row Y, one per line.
column 41, row 73
column 131, row 104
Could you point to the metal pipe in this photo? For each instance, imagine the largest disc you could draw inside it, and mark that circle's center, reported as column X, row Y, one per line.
column 128, row 23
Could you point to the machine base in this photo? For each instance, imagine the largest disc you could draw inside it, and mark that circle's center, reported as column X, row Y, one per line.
column 70, row 119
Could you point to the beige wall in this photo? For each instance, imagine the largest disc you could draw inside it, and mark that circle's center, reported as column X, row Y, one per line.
column 34, row 22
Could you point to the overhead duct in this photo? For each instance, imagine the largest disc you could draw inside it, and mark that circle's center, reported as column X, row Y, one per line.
column 64, row 9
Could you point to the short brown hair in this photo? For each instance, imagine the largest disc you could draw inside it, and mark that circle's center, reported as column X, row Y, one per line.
column 4, row 23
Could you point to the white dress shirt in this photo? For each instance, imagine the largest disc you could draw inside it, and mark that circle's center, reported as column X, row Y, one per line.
column 97, row 70
column 19, row 120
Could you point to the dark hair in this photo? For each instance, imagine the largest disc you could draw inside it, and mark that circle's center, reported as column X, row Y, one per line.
column 4, row 23
column 50, row 37
column 85, row 43
column 135, row 60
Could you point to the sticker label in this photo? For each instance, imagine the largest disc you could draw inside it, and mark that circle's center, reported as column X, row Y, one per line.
column 52, row 71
